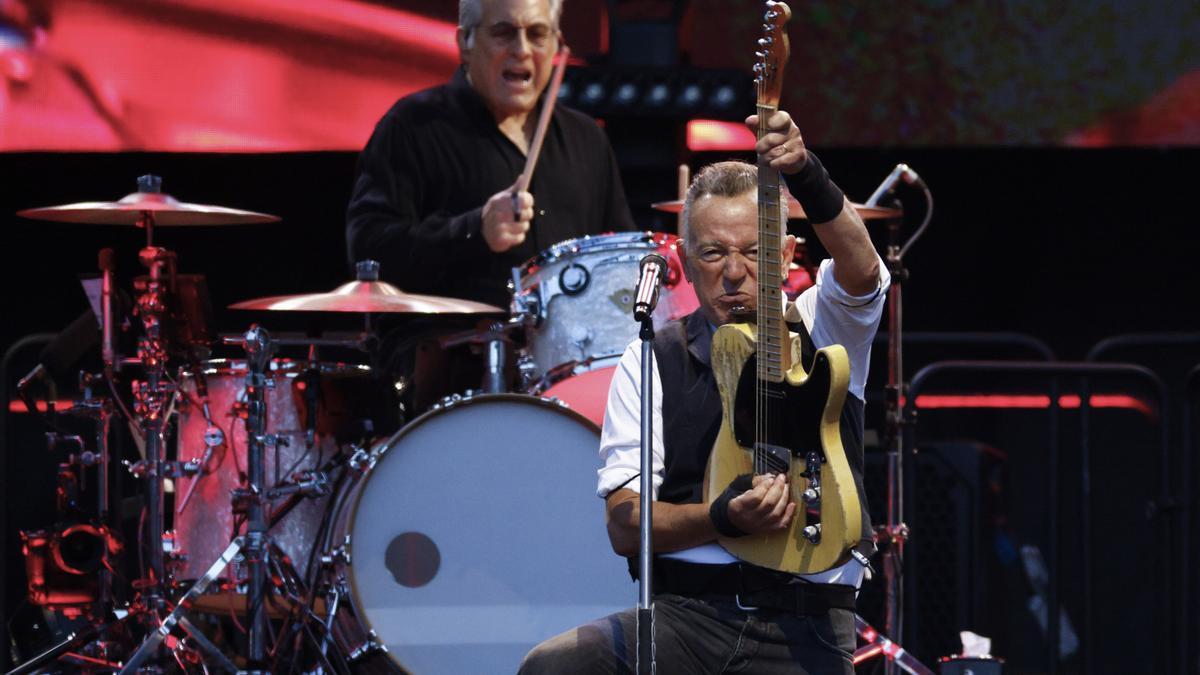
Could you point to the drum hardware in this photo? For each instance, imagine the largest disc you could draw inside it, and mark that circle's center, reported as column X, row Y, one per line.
column 214, row 436
column 494, row 340
column 157, row 637
column 173, row 312
column 268, row 568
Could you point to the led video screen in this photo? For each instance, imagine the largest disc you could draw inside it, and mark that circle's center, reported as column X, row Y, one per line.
column 281, row 75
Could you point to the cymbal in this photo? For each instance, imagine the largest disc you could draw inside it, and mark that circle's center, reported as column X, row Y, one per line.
column 795, row 210
column 370, row 297
column 167, row 211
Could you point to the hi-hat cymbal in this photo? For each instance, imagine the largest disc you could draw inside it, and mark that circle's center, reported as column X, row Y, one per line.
column 797, row 211
column 367, row 297
column 166, row 210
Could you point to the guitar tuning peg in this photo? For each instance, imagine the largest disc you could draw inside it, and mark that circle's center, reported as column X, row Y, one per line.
column 761, row 55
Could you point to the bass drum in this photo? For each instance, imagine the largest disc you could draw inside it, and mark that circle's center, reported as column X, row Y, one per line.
column 473, row 534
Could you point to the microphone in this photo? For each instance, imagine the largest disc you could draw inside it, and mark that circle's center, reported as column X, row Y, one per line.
column 654, row 270
column 108, row 342
column 901, row 172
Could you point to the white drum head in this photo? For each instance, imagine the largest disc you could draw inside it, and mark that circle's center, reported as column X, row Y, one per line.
column 479, row 534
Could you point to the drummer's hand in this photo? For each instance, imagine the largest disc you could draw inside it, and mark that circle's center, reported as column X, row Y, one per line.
column 782, row 145
column 764, row 508
column 503, row 229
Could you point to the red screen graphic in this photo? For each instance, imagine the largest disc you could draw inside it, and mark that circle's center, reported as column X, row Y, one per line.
column 211, row 75
column 296, row 75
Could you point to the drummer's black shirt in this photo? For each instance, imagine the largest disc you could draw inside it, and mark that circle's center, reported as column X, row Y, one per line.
column 433, row 161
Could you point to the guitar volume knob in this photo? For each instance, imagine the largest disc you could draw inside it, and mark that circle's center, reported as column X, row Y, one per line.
column 812, row 533
column 811, row 495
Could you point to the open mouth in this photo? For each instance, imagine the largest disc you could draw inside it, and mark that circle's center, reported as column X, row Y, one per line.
column 518, row 76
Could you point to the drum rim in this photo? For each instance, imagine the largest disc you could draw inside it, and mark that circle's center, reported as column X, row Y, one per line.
column 283, row 366
column 591, row 243
column 565, row 371
column 363, row 481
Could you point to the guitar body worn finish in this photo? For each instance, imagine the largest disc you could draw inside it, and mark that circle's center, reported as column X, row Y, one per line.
column 803, row 417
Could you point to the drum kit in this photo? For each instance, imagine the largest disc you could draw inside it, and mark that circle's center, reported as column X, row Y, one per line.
column 297, row 501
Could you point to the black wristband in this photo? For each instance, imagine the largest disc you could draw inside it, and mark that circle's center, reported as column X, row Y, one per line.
column 821, row 198
column 718, row 511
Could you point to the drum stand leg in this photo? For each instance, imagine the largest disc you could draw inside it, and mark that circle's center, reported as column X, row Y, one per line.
column 73, row 641
column 176, row 618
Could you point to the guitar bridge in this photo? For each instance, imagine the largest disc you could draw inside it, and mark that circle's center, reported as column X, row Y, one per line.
column 770, row 458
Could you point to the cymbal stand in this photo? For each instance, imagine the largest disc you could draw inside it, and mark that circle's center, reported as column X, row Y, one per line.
column 494, row 341
column 894, row 533
column 259, row 350
column 153, row 399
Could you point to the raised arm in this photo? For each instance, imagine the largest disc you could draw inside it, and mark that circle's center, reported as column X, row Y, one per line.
column 837, row 225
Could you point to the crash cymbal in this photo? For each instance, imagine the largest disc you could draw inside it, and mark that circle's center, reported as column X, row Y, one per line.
column 369, row 297
column 166, row 210
column 795, row 210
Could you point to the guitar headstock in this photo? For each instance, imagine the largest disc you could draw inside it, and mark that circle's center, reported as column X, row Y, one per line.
column 773, row 53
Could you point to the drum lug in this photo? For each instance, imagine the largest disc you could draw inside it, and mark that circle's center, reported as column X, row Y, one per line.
column 454, row 399
column 367, row 648
column 527, row 368
column 339, row 555
column 362, row 461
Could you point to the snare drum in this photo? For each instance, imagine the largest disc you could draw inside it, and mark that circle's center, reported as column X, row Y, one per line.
column 474, row 534
column 578, row 297
column 328, row 397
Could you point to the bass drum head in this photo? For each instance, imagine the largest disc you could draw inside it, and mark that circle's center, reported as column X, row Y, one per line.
column 478, row 534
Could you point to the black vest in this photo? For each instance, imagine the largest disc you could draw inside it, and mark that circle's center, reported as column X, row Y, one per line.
column 692, row 413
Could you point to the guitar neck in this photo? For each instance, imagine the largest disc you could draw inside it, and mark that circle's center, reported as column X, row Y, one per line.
column 774, row 353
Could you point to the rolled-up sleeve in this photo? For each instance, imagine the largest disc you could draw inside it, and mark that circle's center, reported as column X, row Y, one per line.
column 621, row 438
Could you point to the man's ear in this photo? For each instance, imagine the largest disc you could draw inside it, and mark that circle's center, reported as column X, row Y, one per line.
column 789, row 252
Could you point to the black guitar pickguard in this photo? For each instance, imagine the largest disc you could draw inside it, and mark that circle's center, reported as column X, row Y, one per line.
column 793, row 419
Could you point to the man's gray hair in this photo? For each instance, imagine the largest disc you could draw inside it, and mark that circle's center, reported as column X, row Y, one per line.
column 724, row 179
column 470, row 14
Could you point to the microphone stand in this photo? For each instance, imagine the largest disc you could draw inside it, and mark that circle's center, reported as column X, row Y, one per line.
column 645, row 612
column 895, row 532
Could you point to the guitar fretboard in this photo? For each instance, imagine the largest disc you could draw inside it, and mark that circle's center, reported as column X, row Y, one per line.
column 773, row 356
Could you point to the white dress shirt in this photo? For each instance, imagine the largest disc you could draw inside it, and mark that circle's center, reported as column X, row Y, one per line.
column 831, row 315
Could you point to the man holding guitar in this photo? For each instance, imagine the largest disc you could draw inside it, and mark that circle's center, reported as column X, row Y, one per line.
column 438, row 199
column 714, row 612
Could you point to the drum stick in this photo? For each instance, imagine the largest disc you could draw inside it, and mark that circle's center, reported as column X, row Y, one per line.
column 535, row 148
